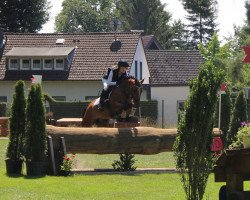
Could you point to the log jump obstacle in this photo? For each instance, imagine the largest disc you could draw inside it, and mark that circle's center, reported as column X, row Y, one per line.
column 136, row 140
column 77, row 122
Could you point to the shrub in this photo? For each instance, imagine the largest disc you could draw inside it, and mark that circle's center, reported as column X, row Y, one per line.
column 239, row 115
column 243, row 130
column 125, row 163
column 194, row 135
column 35, row 142
column 15, row 149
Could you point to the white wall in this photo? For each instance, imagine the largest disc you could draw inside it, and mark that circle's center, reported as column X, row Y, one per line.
column 170, row 95
column 140, row 57
column 73, row 90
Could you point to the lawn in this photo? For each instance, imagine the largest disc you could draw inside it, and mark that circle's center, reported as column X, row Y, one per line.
column 101, row 187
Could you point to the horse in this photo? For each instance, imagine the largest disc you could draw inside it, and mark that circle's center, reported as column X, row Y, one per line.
column 124, row 97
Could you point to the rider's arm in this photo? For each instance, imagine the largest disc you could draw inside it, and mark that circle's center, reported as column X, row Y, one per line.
column 107, row 80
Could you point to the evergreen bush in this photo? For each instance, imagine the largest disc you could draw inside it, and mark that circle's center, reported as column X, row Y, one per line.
column 125, row 163
column 239, row 115
column 15, row 149
column 192, row 150
column 226, row 112
column 35, row 126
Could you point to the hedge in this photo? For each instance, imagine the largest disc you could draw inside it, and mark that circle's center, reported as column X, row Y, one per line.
column 64, row 109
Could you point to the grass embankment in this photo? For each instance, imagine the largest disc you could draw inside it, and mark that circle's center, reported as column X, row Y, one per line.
column 101, row 187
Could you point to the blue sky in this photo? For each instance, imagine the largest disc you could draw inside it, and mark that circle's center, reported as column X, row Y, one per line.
column 231, row 12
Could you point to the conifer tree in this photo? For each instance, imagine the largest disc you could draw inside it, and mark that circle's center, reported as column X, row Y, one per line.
column 239, row 115
column 226, row 110
column 151, row 17
column 35, row 125
column 15, row 149
column 201, row 16
column 194, row 136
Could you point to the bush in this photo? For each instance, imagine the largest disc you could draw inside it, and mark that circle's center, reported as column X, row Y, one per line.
column 125, row 163
column 243, row 130
column 239, row 115
column 194, row 135
column 15, row 149
column 35, row 142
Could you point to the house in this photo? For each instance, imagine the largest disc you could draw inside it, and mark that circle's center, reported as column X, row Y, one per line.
column 170, row 72
column 151, row 43
column 71, row 65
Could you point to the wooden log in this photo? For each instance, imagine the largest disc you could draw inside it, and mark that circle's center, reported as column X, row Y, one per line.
column 138, row 140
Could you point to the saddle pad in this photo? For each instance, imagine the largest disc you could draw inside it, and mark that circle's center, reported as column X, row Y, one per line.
column 97, row 101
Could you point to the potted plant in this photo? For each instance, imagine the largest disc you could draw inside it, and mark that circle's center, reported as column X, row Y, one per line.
column 242, row 137
column 35, row 138
column 15, row 150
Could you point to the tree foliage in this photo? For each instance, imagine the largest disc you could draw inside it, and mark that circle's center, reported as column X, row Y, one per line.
column 150, row 16
column 23, row 16
column 84, row 16
column 17, row 123
column 239, row 116
column 194, row 136
column 35, row 140
column 201, row 16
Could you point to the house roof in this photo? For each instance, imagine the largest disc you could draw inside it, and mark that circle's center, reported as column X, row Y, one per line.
column 94, row 53
column 151, row 43
column 39, row 51
column 170, row 67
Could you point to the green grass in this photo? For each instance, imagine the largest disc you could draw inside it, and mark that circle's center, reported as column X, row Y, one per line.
column 162, row 160
column 101, row 187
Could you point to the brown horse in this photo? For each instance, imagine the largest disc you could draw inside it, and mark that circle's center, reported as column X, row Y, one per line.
column 122, row 98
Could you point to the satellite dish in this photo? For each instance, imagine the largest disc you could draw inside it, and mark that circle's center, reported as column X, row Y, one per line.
column 115, row 24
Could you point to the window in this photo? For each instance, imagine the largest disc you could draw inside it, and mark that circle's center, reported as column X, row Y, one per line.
column 59, row 98
column 14, row 64
column 140, row 70
column 25, row 64
column 136, row 63
column 3, row 99
column 37, row 64
column 180, row 105
column 48, row 64
column 59, row 64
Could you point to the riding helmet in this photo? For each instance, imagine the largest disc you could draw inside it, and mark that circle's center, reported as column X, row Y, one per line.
column 123, row 63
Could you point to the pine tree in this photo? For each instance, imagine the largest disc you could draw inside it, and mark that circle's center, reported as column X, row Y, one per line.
column 201, row 16
column 23, row 16
column 149, row 16
column 15, row 149
column 194, row 136
column 239, row 115
column 35, row 125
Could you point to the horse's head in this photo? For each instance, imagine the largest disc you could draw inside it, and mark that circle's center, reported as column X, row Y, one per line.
column 134, row 89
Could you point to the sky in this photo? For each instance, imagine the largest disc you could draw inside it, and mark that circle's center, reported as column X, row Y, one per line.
column 231, row 12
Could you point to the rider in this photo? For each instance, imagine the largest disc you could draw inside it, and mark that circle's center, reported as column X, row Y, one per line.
column 111, row 79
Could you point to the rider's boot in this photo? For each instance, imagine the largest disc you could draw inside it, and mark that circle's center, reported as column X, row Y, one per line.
column 102, row 100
